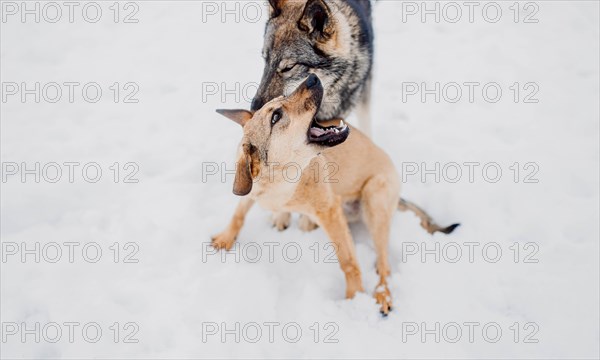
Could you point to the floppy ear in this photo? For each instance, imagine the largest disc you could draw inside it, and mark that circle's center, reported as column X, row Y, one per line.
column 239, row 116
column 317, row 20
column 242, row 184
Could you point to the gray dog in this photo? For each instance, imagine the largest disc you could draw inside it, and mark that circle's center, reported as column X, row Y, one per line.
column 332, row 39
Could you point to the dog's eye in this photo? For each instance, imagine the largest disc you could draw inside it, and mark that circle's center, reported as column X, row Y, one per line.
column 275, row 117
column 288, row 68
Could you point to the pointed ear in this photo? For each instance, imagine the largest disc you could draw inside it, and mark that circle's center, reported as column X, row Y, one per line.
column 317, row 20
column 276, row 6
column 239, row 116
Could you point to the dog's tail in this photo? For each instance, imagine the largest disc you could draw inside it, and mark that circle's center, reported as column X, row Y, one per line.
column 426, row 221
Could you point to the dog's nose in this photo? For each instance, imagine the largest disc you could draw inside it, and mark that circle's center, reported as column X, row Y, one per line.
column 312, row 81
column 257, row 103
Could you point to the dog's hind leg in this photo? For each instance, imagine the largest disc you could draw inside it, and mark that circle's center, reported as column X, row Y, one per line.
column 378, row 207
column 427, row 222
column 363, row 108
column 226, row 239
column 306, row 224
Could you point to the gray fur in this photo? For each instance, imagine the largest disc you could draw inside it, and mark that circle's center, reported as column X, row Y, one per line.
column 304, row 32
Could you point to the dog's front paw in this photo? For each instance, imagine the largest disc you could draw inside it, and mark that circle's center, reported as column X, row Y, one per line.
column 281, row 220
column 224, row 240
column 384, row 299
column 306, row 224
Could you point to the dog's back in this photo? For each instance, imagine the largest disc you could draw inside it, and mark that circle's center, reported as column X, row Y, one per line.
column 362, row 8
column 351, row 164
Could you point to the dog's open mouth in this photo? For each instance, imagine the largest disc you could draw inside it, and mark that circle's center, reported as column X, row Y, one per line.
column 328, row 135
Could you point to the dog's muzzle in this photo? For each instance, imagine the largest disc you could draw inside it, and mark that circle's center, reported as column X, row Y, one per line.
column 328, row 136
column 318, row 134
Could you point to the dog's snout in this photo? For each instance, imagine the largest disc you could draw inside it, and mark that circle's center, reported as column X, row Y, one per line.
column 257, row 103
column 312, row 81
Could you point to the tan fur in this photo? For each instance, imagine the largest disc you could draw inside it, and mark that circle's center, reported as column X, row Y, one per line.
column 355, row 179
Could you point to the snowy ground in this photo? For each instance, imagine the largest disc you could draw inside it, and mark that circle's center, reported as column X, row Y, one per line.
column 171, row 297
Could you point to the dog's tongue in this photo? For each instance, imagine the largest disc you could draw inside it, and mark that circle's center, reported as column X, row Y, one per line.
column 315, row 131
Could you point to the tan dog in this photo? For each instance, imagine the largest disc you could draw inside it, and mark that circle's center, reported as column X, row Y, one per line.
column 361, row 181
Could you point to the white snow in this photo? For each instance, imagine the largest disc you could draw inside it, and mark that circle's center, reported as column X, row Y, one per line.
column 179, row 299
